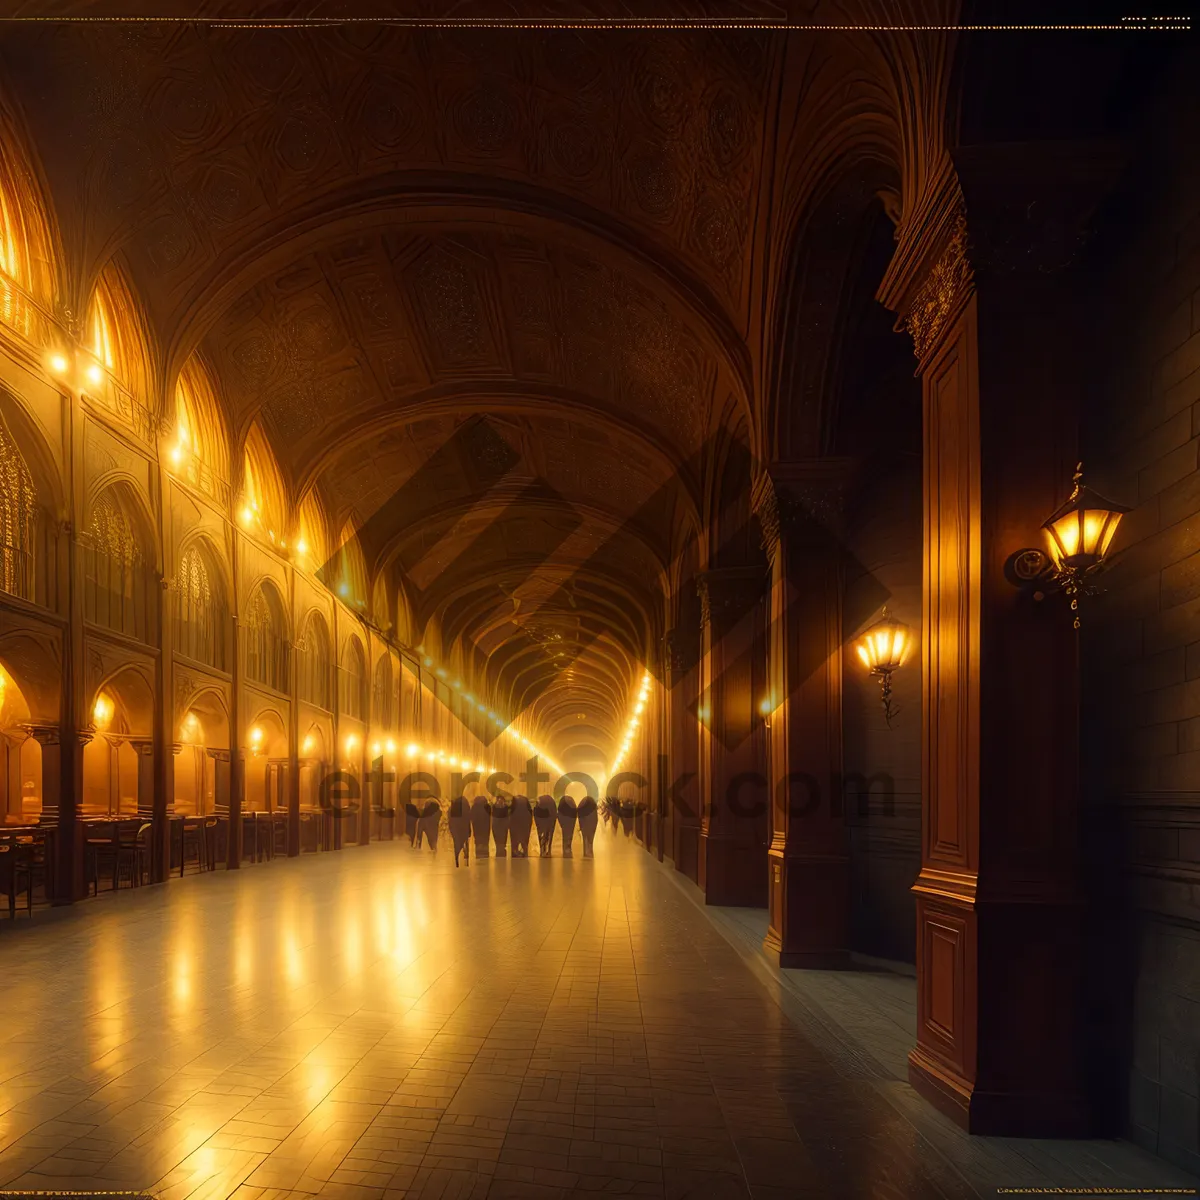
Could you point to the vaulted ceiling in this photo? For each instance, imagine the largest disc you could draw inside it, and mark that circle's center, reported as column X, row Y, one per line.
column 394, row 246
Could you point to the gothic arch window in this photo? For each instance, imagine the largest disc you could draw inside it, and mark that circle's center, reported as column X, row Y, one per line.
column 266, row 639
column 26, row 272
column 18, row 520
column 383, row 704
column 116, row 369
column 201, row 616
column 315, row 663
column 118, row 580
column 353, row 674
column 200, row 453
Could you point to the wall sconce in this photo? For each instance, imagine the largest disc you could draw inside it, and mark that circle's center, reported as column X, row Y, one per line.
column 1079, row 535
column 102, row 711
column 883, row 648
column 256, row 739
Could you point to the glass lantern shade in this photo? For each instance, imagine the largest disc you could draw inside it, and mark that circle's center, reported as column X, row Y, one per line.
column 1081, row 531
column 885, row 646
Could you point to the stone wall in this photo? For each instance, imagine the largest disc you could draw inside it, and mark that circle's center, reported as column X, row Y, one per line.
column 1141, row 638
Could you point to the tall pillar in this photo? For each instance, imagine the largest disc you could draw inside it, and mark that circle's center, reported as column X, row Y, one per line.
column 799, row 505
column 147, row 798
column 999, row 897
column 62, row 787
column 733, row 824
column 681, row 661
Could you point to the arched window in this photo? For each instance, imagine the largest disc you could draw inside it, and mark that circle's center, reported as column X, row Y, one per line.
column 200, row 453
column 263, row 503
column 383, row 703
column 315, row 661
column 116, row 368
column 18, row 518
column 353, row 674
column 117, row 580
column 201, row 617
column 26, row 271
column 265, row 640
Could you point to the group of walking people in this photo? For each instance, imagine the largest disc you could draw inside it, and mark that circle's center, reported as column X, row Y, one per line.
column 507, row 820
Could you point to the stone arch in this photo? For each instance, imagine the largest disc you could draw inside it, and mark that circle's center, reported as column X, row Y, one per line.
column 201, row 605
column 316, row 661
column 266, row 637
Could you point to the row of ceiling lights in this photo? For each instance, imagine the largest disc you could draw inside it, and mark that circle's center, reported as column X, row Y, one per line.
column 634, row 721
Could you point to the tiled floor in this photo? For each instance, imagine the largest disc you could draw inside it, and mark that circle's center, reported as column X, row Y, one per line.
column 377, row 1023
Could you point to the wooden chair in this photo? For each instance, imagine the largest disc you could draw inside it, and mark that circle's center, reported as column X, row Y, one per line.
column 100, row 844
column 133, row 852
column 195, row 831
column 11, row 874
column 279, row 833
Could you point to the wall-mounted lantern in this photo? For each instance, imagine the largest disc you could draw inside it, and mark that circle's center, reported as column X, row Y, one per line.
column 883, row 648
column 1078, row 535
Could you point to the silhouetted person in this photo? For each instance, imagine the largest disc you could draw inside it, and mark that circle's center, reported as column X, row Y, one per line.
column 522, row 823
column 460, row 828
column 481, row 825
column 627, row 819
column 411, row 817
column 429, row 823
column 567, row 814
column 589, row 818
column 501, row 813
column 544, row 819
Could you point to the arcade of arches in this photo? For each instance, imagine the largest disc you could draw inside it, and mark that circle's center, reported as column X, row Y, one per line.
column 377, row 401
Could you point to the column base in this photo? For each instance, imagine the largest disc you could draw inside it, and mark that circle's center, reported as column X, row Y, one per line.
column 805, row 960
column 997, row 1114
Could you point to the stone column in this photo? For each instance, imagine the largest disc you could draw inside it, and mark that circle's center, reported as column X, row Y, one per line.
column 984, row 293
column 799, row 506
column 681, row 677
column 61, row 806
column 732, row 867
column 146, row 797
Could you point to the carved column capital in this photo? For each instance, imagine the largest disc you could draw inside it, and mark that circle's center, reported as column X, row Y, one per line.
column 44, row 735
column 728, row 593
column 144, row 747
column 680, row 651
column 803, row 502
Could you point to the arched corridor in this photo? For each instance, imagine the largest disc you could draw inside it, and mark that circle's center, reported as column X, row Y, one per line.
column 637, row 453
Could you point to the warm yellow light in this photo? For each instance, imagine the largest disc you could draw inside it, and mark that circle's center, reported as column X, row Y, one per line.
column 1081, row 531
column 884, row 646
column 247, row 516
column 301, row 547
column 308, row 743
column 59, row 364
column 480, row 768
column 376, row 748
column 453, row 761
column 256, row 738
column 764, row 705
column 641, row 704
column 390, row 746
column 102, row 711
column 177, row 454
column 94, row 373
column 351, row 744
column 412, row 750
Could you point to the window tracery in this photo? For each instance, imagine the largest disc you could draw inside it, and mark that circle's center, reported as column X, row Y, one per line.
column 18, row 516
column 117, row 581
column 266, row 645
column 200, row 612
